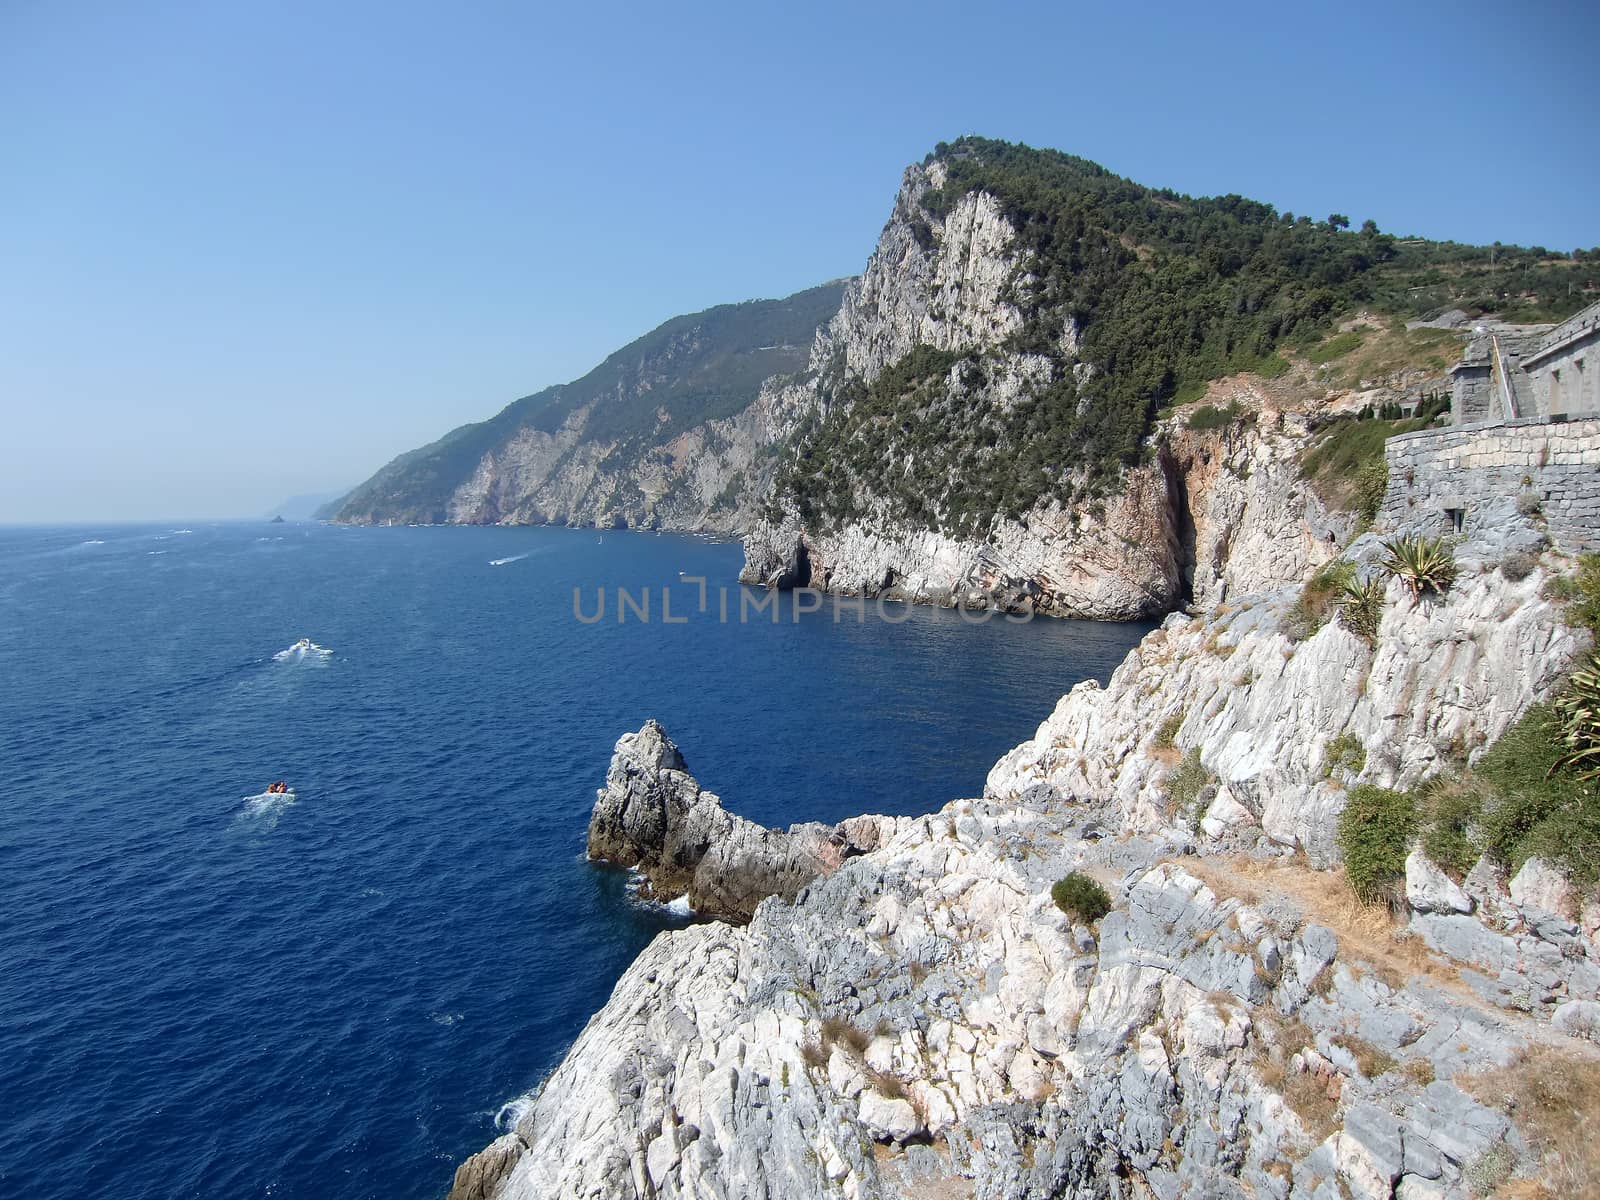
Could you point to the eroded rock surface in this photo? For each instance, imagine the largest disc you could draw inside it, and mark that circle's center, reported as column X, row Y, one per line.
column 653, row 815
column 908, row 1014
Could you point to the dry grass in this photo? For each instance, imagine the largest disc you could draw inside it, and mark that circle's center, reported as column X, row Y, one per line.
column 885, row 1084
column 1370, row 1061
column 1367, row 933
column 1554, row 1099
column 1313, row 1097
column 1419, row 1071
column 1388, row 349
column 836, row 1031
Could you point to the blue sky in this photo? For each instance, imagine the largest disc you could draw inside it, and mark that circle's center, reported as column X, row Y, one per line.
column 251, row 250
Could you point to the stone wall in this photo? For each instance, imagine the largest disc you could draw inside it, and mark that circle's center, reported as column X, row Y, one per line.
column 1472, row 393
column 1455, row 473
column 1564, row 371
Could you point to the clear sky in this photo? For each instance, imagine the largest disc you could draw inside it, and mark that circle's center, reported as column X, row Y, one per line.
column 249, row 250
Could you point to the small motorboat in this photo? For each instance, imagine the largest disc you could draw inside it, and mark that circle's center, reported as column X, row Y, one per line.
column 277, row 789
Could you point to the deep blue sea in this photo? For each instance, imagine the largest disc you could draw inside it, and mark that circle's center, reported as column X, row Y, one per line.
column 203, row 995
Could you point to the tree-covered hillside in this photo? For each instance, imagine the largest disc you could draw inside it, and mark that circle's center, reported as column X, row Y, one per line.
column 690, row 370
column 1167, row 292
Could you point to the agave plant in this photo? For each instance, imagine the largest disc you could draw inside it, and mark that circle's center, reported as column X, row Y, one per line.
column 1579, row 711
column 1425, row 564
column 1361, row 607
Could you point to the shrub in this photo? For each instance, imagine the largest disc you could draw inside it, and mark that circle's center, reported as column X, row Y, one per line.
column 1345, row 463
column 1374, row 831
column 1579, row 712
column 1186, row 782
column 1450, row 812
column 1209, row 416
column 1529, row 504
column 1539, row 806
column 1423, row 564
column 1581, row 591
column 1081, row 898
column 1361, row 608
column 1273, row 366
column 1369, row 485
column 1555, row 1095
column 1518, row 566
column 1168, row 730
column 1335, row 347
column 1310, row 612
column 837, row 1031
column 1344, row 753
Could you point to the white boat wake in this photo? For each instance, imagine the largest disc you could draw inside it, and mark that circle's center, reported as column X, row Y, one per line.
column 500, row 562
column 304, row 649
column 266, row 807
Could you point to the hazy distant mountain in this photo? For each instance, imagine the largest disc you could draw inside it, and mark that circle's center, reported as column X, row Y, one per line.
column 306, row 507
column 616, row 447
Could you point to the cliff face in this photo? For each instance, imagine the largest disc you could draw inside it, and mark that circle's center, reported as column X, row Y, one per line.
column 1218, row 513
column 1446, row 677
column 1209, row 513
column 922, row 1019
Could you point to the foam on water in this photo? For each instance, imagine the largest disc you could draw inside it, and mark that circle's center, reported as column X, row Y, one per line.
column 512, row 1111
column 500, row 562
column 266, row 807
column 680, row 907
column 309, row 651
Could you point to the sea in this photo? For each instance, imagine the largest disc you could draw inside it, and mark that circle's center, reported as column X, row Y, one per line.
column 207, row 989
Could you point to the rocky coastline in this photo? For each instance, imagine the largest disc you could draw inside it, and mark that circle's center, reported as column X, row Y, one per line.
column 908, row 1014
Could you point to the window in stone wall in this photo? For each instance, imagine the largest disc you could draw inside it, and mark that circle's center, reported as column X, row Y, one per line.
column 1454, row 519
column 1555, row 391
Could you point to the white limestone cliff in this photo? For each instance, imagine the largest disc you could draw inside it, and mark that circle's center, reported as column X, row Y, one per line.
column 922, row 1020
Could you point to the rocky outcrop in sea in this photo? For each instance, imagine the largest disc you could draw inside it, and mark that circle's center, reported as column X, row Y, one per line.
column 653, row 816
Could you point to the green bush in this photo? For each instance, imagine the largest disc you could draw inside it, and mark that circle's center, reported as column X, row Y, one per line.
column 1168, row 730
column 1311, row 610
column 1337, row 346
column 1346, row 465
column 1369, row 485
column 1451, row 811
column 1536, row 805
column 1375, row 831
column 1081, row 898
column 1186, row 782
column 1344, row 753
column 1273, row 366
column 1581, row 593
column 1209, row 416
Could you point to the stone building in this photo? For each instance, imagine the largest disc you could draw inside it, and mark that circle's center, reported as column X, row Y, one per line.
column 1526, row 406
column 1562, row 369
column 1460, row 478
column 1513, row 372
